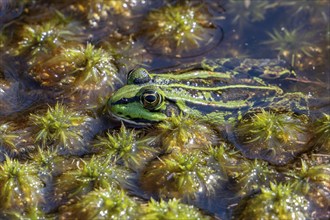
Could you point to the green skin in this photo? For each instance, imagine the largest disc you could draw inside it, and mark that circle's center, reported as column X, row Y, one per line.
column 221, row 90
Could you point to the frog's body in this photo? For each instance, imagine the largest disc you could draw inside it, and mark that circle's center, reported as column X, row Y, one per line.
column 219, row 90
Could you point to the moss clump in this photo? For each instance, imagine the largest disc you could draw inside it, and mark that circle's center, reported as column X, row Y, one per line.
column 171, row 209
column 123, row 148
column 7, row 138
column 181, row 176
column 272, row 136
column 184, row 133
column 322, row 133
column 280, row 201
column 58, row 127
column 20, row 187
column 81, row 67
column 175, row 28
column 87, row 176
column 106, row 203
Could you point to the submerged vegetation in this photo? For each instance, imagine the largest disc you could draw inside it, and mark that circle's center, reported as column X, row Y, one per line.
column 63, row 157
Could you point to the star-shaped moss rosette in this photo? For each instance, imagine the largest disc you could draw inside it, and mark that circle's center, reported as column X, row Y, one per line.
column 181, row 175
column 80, row 67
column 125, row 148
column 173, row 29
column 277, row 137
column 58, row 127
column 21, row 188
column 313, row 181
column 322, row 134
column 183, row 133
column 279, row 201
column 105, row 203
column 94, row 173
column 8, row 138
column 171, row 209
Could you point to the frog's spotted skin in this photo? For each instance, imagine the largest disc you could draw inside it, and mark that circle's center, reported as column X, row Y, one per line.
column 220, row 90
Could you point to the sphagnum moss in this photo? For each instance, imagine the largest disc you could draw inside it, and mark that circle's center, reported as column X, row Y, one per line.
column 21, row 189
column 123, row 147
column 58, row 127
column 7, row 138
column 91, row 174
column 279, row 201
column 184, row 133
column 176, row 28
column 181, row 175
column 105, row 203
column 322, row 134
column 273, row 136
column 172, row 209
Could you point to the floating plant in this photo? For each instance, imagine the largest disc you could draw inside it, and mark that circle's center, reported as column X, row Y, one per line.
column 93, row 174
column 279, row 201
column 322, row 133
column 177, row 28
column 21, row 189
column 184, row 133
column 273, row 136
column 105, row 203
column 292, row 44
column 80, row 67
column 58, row 127
column 179, row 175
column 122, row 147
column 7, row 138
column 171, row 209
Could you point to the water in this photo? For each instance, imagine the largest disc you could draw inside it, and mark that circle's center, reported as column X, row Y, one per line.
column 43, row 58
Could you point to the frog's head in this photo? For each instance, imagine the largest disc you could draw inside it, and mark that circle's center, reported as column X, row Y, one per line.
column 139, row 102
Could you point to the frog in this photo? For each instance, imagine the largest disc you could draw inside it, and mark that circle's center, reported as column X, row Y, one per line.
column 219, row 90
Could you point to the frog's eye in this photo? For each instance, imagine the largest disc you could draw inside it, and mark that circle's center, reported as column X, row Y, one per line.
column 151, row 99
column 138, row 76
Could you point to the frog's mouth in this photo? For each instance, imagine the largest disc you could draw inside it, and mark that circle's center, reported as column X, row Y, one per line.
column 136, row 122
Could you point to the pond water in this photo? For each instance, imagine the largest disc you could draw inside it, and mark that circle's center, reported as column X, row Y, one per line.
column 60, row 61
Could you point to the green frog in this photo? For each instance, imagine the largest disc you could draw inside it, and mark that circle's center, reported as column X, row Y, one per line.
column 220, row 90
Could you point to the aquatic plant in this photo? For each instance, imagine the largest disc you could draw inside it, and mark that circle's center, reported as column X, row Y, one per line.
column 7, row 138
column 322, row 133
column 93, row 174
column 177, row 28
column 122, row 147
column 58, row 126
column 41, row 39
column 181, row 175
column 105, row 203
column 171, row 209
column 250, row 176
column 273, row 136
column 279, row 201
column 20, row 187
column 292, row 44
column 184, row 133
column 247, row 12
column 80, row 67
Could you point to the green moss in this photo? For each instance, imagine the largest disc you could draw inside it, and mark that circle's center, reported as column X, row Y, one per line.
column 123, row 148
column 172, row 209
column 89, row 175
column 292, row 44
column 57, row 127
column 322, row 133
column 181, row 175
column 106, row 203
column 273, row 136
column 280, row 201
column 177, row 27
column 184, row 133
column 8, row 138
column 20, row 187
